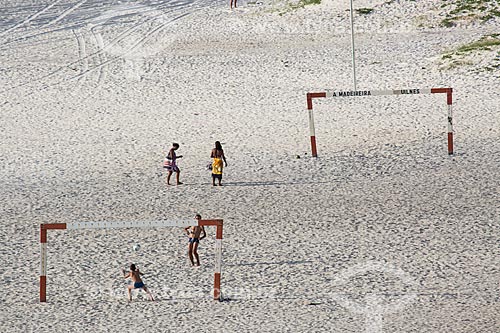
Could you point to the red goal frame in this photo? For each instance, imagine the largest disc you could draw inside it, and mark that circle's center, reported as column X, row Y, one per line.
column 357, row 93
column 140, row 224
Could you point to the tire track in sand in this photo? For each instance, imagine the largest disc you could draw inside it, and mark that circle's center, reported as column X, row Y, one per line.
column 115, row 58
column 109, row 45
column 101, row 55
column 82, row 53
column 30, row 18
column 51, row 23
column 79, row 24
column 120, row 37
column 64, row 14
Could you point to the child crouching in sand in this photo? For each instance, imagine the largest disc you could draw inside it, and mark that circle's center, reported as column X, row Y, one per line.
column 135, row 276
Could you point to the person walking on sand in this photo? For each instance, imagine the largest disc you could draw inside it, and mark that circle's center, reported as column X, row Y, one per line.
column 135, row 276
column 195, row 234
column 171, row 165
column 217, row 166
column 232, row 4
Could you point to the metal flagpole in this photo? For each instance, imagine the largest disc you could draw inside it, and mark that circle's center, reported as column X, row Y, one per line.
column 352, row 46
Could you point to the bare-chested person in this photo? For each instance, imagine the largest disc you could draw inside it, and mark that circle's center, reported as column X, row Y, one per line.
column 195, row 233
column 135, row 276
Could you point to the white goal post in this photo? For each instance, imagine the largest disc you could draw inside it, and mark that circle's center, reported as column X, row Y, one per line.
column 356, row 93
column 137, row 224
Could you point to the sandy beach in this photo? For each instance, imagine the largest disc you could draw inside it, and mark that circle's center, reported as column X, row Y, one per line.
column 382, row 232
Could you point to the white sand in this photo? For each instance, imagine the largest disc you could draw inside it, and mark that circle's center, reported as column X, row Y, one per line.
column 90, row 107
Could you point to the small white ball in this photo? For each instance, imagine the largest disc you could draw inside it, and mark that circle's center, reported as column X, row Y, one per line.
column 136, row 247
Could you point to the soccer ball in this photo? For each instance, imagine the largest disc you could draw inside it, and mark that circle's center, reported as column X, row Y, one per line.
column 136, row 247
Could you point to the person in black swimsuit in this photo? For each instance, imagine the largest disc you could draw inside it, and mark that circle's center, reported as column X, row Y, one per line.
column 135, row 276
column 195, row 234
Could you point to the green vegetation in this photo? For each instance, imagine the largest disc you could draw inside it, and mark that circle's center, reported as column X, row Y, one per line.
column 448, row 23
column 462, row 54
column 469, row 10
column 303, row 3
column 492, row 13
column 289, row 6
column 388, row 2
column 364, row 11
column 485, row 43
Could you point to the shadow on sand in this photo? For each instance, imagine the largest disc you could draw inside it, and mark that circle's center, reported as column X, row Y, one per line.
column 274, row 183
column 297, row 262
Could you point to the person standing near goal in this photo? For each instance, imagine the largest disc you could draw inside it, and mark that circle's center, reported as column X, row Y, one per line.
column 171, row 165
column 217, row 166
column 195, row 234
column 135, row 276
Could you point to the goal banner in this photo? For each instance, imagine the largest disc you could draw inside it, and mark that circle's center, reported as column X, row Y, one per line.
column 376, row 92
column 130, row 224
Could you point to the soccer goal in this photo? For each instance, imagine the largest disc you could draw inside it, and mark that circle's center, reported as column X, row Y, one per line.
column 359, row 93
column 140, row 224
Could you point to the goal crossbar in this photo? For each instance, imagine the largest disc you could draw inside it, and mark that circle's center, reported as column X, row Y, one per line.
column 360, row 93
column 130, row 224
